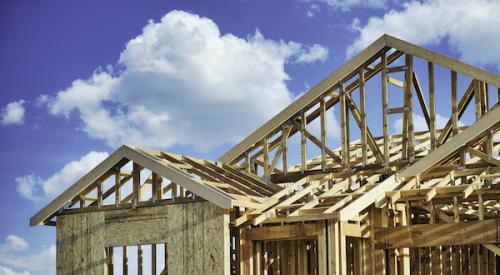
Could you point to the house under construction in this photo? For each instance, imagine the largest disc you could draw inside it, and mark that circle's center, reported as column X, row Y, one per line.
column 284, row 201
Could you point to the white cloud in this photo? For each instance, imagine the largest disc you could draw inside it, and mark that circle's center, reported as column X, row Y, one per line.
column 472, row 28
column 313, row 9
column 9, row 271
column 347, row 5
column 314, row 53
column 36, row 189
column 12, row 244
column 182, row 82
column 13, row 113
column 12, row 263
column 419, row 123
column 43, row 262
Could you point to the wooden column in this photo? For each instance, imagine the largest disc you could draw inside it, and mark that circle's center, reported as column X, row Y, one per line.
column 322, row 113
column 136, row 180
column 454, row 104
column 303, row 141
column 322, row 252
column 344, row 125
column 362, row 102
column 432, row 105
column 385, row 103
column 409, row 107
column 265, row 150
column 117, row 186
column 246, row 255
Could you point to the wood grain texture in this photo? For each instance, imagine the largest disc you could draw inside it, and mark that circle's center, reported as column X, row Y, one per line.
column 196, row 235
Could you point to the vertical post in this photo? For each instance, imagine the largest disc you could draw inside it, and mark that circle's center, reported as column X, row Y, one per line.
column 343, row 252
column 362, row 102
column 139, row 260
column 99, row 193
column 136, row 178
column 258, row 267
column 404, row 253
column 125, row 261
column 385, row 103
column 153, row 259
column 248, row 163
column 117, row 186
column 344, row 126
column 303, row 141
column 246, row 255
column 478, row 99
column 489, row 140
column 322, row 252
column 432, row 105
column 284, row 149
column 154, row 189
column 409, row 107
column 174, row 191
column 82, row 201
column 481, row 207
column 265, row 150
column 109, row 256
column 322, row 110
column 454, row 104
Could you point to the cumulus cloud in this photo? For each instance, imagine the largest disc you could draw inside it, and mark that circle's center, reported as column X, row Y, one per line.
column 13, row 113
column 471, row 28
column 182, row 82
column 12, row 263
column 36, row 189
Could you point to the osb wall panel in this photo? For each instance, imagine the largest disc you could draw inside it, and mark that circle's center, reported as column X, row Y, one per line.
column 80, row 240
column 196, row 234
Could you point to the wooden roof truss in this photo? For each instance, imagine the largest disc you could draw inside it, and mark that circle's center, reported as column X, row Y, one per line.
column 456, row 168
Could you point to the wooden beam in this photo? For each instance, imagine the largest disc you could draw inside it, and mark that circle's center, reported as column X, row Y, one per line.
column 421, row 100
column 283, row 232
column 425, row 235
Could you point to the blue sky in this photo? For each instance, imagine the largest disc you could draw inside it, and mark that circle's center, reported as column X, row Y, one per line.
column 79, row 78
